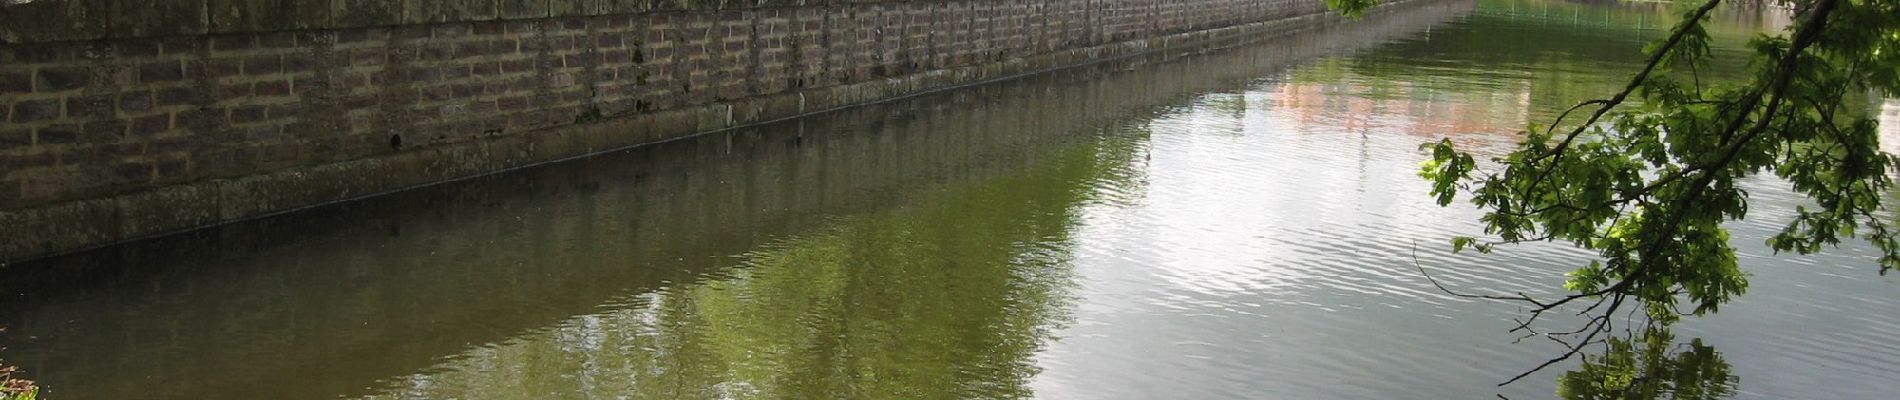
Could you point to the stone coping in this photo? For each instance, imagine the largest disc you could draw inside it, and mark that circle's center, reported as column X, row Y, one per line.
column 41, row 21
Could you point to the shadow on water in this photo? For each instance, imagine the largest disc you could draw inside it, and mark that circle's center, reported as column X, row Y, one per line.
column 908, row 249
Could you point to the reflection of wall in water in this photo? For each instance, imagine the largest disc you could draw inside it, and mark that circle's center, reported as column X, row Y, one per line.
column 1427, row 113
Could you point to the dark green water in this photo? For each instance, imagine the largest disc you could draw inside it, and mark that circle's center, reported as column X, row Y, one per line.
column 1231, row 223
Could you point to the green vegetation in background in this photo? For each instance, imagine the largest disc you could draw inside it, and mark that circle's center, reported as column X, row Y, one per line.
column 1504, row 48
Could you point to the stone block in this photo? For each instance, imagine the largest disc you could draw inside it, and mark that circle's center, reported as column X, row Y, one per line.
column 57, row 134
column 247, row 114
column 150, row 125
column 268, row 15
column 48, row 21
column 569, row 8
column 90, row 107
column 137, row 48
column 161, row 71
column 182, row 95
column 623, row 6
column 35, row 110
column 365, row 13
column 521, row 9
column 12, row 138
column 135, row 101
column 16, row 81
column 103, row 131
column 61, row 78
column 424, row 11
column 148, row 18
column 777, row 3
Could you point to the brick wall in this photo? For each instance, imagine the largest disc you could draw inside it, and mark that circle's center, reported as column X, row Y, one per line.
column 95, row 131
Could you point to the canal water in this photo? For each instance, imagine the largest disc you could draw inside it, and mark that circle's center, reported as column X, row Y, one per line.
column 1236, row 222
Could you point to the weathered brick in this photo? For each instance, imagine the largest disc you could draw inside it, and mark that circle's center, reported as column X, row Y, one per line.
column 119, row 150
column 282, row 110
column 133, row 172
column 455, row 72
column 54, row 79
column 215, row 68
column 103, row 131
column 170, row 168
column 350, row 36
column 235, row 91
column 91, row 107
column 56, row 134
column 161, row 71
column 173, row 144
column 271, row 88
column 137, row 48
column 15, row 162
column 299, row 62
column 150, row 125
column 218, row 162
column 179, row 95
column 75, row 156
column 354, row 13
column 10, row 191
column 489, row 28
column 34, row 110
column 247, row 114
column 236, row 42
column 265, row 132
column 15, row 137
column 33, row 53
column 135, row 101
column 199, row 120
column 263, row 65
column 277, row 41
column 409, row 32
column 17, row 81
column 182, row 45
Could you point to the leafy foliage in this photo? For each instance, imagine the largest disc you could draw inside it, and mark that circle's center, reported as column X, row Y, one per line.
column 1351, row 8
column 1647, row 177
column 16, row 389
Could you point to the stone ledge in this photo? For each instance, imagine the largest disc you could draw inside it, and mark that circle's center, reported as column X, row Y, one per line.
column 42, row 21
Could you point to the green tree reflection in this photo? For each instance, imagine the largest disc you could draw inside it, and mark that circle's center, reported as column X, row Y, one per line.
column 949, row 296
column 1651, row 365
